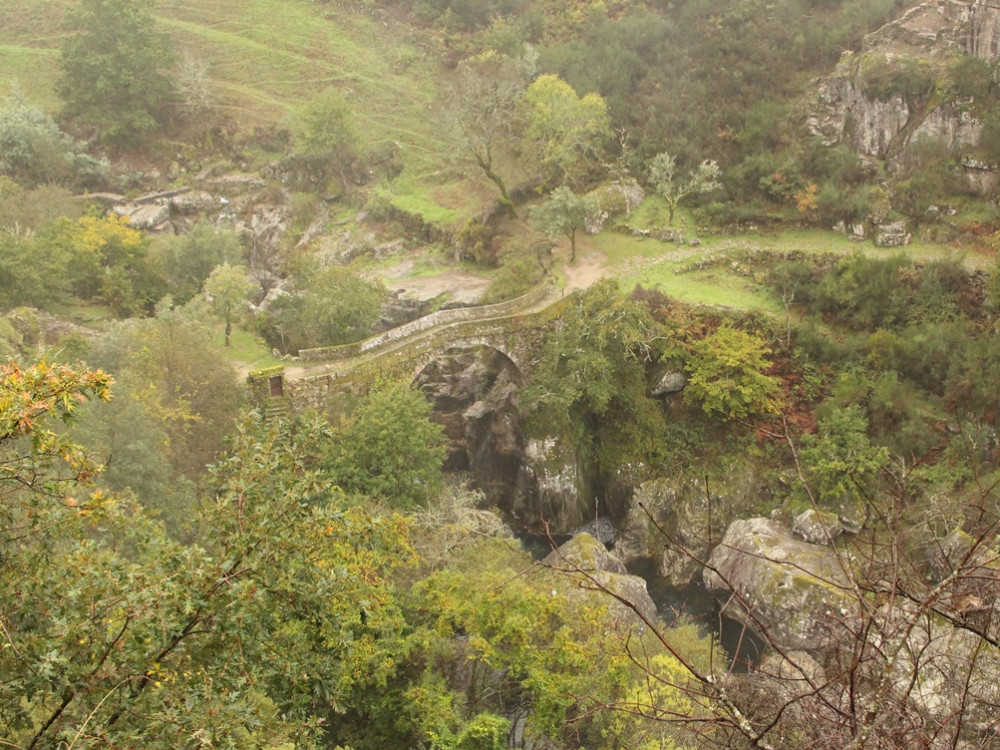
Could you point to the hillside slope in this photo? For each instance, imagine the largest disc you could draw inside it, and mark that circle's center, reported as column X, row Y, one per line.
column 269, row 58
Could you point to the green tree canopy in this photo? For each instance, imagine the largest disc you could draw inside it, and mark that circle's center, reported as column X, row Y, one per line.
column 188, row 259
column 115, row 635
column 563, row 133
column 108, row 260
column 332, row 306
column 113, row 68
column 32, row 147
column 839, row 462
column 726, row 375
column 228, row 287
column 185, row 385
column 389, row 448
column 327, row 136
column 564, row 213
column 591, row 377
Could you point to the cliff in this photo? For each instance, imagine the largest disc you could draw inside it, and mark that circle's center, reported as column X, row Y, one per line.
column 907, row 84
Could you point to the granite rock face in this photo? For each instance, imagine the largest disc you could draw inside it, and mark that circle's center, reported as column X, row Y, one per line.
column 882, row 123
column 533, row 481
column 787, row 590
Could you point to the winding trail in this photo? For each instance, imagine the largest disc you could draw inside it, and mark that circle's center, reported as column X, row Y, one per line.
column 589, row 267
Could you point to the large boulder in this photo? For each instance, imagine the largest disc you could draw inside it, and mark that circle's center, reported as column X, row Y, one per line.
column 602, row 529
column 674, row 521
column 790, row 592
column 604, row 577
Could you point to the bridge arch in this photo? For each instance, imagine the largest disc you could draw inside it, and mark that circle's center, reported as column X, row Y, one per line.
column 500, row 360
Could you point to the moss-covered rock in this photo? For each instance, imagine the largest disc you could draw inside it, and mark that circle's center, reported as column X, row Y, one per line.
column 673, row 521
column 588, row 561
column 788, row 591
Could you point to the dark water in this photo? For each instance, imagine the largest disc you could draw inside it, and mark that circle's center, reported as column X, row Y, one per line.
column 695, row 604
column 538, row 545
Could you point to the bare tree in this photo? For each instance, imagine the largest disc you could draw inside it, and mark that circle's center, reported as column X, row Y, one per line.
column 892, row 639
column 483, row 103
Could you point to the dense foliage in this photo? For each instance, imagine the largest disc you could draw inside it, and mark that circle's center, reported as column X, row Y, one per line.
column 175, row 572
column 120, row 634
column 114, row 63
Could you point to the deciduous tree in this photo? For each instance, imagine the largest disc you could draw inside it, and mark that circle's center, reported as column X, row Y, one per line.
column 339, row 306
column 183, row 383
column 562, row 132
column 564, row 213
column 109, row 260
column 726, row 375
column 389, row 448
column 591, row 378
column 228, row 287
column 673, row 188
column 188, row 259
column 484, row 103
column 327, row 136
column 32, row 147
column 115, row 635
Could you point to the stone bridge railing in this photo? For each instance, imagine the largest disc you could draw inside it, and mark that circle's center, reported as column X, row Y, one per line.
column 517, row 336
column 426, row 323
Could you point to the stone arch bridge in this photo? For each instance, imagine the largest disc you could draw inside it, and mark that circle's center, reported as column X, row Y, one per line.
column 404, row 351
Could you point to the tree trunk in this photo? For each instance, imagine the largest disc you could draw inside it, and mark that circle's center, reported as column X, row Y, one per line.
column 229, row 330
column 487, row 166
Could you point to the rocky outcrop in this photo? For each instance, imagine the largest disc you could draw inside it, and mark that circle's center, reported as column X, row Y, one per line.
column 235, row 200
column 786, row 590
column 882, row 123
column 587, row 561
column 892, row 234
column 671, row 383
column 534, row 482
column 552, row 487
column 917, row 658
column 675, row 521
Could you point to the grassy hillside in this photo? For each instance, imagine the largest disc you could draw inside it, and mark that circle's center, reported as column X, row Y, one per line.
column 268, row 57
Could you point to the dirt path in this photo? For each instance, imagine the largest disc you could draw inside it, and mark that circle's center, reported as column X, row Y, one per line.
column 460, row 286
column 588, row 269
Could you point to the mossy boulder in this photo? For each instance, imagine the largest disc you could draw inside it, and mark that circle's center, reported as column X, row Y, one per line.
column 788, row 591
column 673, row 521
column 600, row 574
